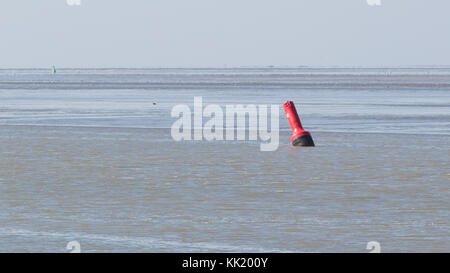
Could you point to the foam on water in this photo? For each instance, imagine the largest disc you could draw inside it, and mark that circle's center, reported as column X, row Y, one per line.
column 147, row 242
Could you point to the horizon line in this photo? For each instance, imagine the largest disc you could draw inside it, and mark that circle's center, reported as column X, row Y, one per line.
column 235, row 67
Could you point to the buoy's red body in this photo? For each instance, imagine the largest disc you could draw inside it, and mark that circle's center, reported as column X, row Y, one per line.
column 298, row 132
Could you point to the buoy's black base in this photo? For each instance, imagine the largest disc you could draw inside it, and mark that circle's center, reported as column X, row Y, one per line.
column 305, row 140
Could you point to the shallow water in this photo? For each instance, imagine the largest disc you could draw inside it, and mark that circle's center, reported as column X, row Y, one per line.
column 86, row 156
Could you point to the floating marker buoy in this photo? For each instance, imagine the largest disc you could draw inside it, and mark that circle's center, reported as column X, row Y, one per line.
column 300, row 137
column 53, row 70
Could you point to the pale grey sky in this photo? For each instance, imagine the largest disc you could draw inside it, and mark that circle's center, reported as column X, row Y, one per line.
column 199, row 33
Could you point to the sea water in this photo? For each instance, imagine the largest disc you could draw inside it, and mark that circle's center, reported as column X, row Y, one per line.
column 87, row 155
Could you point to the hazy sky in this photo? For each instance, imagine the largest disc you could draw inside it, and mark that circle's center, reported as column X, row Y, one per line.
column 186, row 33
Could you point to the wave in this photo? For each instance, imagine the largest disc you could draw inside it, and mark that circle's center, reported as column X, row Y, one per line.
column 146, row 242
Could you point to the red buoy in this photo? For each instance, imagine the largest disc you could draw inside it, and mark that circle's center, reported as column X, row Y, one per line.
column 300, row 137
